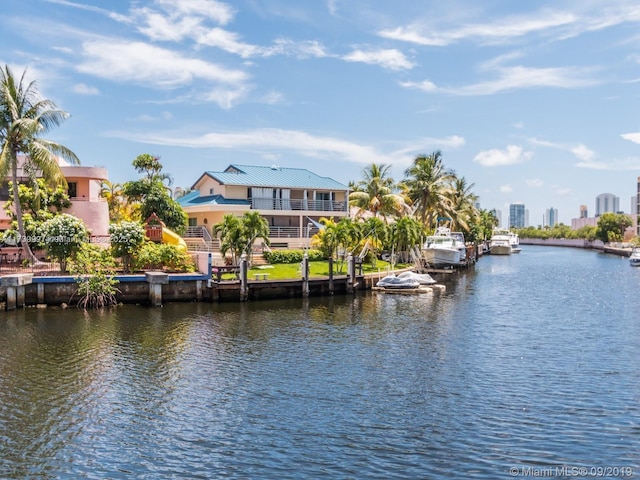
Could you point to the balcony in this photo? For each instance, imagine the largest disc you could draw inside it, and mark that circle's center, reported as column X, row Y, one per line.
column 291, row 232
column 295, row 204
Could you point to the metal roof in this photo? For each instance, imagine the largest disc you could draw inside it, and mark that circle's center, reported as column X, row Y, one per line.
column 193, row 199
column 274, row 176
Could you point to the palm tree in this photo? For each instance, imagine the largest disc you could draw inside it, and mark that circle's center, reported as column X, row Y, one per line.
column 406, row 233
column 24, row 117
column 375, row 193
column 231, row 236
column 463, row 202
column 254, row 226
column 428, row 187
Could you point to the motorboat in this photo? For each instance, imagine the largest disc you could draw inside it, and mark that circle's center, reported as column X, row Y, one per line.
column 442, row 249
column 634, row 258
column 397, row 283
column 460, row 245
column 515, row 242
column 500, row 242
column 421, row 278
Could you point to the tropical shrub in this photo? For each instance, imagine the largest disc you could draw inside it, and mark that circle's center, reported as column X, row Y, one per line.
column 126, row 238
column 94, row 269
column 293, row 256
column 63, row 235
column 163, row 256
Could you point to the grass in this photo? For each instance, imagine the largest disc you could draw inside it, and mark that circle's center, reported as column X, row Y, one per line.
column 288, row 271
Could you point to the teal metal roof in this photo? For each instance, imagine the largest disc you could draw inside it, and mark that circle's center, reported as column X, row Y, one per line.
column 278, row 177
column 193, row 199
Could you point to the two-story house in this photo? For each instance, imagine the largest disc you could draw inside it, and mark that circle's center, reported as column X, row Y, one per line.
column 290, row 199
column 84, row 192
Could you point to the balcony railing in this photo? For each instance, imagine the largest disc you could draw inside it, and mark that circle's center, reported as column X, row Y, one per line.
column 294, row 204
column 292, row 232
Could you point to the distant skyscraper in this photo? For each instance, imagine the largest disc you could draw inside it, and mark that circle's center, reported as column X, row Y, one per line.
column 550, row 217
column 607, row 202
column 583, row 212
column 517, row 217
column 498, row 215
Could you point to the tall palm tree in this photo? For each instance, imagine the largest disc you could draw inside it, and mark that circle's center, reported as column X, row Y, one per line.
column 428, row 185
column 463, row 201
column 24, row 117
column 376, row 193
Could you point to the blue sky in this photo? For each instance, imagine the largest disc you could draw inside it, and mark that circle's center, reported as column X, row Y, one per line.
column 532, row 101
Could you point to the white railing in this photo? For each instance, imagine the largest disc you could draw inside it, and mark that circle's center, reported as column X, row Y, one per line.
column 293, row 204
column 292, row 232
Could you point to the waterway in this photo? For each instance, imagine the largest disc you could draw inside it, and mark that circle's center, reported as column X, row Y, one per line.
column 528, row 362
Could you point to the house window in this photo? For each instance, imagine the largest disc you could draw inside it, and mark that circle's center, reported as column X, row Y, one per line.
column 211, row 191
column 249, row 193
column 4, row 191
column 193, row 222
column 72, row 189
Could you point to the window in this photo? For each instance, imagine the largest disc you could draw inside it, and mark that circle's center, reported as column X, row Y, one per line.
column 4, row 191
column 193, row 222
column 211, row 191
column 72, row 189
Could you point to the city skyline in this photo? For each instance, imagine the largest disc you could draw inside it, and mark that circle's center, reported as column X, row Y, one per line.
column 530, row 102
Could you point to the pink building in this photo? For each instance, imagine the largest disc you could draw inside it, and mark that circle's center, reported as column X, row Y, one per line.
column 84, row 192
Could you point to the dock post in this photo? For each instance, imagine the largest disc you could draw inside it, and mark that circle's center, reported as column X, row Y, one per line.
column 15, row 288
column 244, row 284
column 351, row 280
column 305, row 275
column 155, row 281
column 331, row 287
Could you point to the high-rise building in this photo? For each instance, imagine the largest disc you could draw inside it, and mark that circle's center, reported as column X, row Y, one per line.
column 517, row 215
column 638, row 209
column 583, row 212
column 498, row 214
column 607, row 202
column 550, row 217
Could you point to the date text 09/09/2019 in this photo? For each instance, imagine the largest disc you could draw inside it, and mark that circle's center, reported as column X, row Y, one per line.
column 572, row 471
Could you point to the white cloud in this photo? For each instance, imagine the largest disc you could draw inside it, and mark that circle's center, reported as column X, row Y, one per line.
column 82, row 89
column 632, row 137
column 506, row 188
column 220, row 12
column 391, row 59
column 509, row 78
column 267, row 140
column 546, row 23
column 421, row 145
column 150, row 65
column 580, row 151
column 425, row 86
column 513, row 154
column 534, row 182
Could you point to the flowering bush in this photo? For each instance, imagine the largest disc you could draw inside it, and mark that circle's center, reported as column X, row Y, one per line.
column 63, row 236
column 126, row 238
column 163, row 256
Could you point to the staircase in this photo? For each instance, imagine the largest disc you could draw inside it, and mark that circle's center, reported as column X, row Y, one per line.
column 198, row 239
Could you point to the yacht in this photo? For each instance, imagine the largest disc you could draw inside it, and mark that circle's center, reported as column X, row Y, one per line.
column 442, row 249
column 634, row 258
column 515, row 242
column 500, row 243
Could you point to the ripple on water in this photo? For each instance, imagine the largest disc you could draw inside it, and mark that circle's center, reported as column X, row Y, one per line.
column 529, row 360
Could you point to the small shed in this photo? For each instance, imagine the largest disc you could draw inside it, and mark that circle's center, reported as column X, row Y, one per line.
column 153, row 228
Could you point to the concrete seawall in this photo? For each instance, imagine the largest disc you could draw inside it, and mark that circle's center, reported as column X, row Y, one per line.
column 613, row 248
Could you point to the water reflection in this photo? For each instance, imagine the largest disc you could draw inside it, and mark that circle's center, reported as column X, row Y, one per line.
column 525, row 360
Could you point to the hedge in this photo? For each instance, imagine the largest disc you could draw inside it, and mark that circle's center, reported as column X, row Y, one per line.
column 292, row 256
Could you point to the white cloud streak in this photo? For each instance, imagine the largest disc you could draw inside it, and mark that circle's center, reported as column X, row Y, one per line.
column 150, row 65
column 512, row 155
column 391, row 59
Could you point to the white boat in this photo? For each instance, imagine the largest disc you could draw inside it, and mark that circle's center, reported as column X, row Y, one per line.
column 500, row 243
column 634, row 258
column 441, row 249
column 515, row 242
column 393, row 282
column 421, row 278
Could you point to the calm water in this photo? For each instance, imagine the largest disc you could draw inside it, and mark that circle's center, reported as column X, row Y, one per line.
column 529, row 361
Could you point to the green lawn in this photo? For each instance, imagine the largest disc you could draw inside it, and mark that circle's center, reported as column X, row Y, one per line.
column 316, row 269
